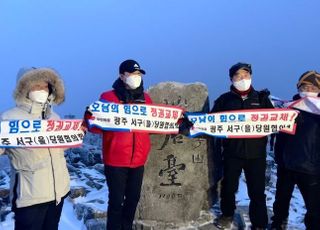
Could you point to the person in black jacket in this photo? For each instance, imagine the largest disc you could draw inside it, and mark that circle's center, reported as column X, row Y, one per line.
column 243, row 154
column 298, row 159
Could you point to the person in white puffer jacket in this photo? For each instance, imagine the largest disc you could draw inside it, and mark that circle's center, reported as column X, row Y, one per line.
column 39, row 176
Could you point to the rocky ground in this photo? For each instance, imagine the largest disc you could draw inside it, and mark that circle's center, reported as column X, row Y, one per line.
column 89, row 191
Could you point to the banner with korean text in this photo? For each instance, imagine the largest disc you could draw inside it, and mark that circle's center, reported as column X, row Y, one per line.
column 40, row 133
column 135, row 117
column 307, row 104
column 243, row 123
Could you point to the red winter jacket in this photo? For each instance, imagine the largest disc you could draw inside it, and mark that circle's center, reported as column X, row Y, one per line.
column 124, row 149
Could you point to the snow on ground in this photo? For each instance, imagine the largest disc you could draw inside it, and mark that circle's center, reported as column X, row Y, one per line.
column 8, row 223
column 68, row 219
column 297, row 209
column 97, row 198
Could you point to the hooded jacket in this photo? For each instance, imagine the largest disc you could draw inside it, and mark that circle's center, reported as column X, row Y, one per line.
column 125, row 149
column 245, row 148
column 300, row 152
column 38, row 175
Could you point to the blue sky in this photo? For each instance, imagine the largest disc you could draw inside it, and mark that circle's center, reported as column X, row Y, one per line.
column 173, row 40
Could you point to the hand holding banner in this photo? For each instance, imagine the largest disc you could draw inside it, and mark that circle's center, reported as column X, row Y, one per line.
column 145, row 118
column 244, row 123
column 40, row 133
column 135, row 117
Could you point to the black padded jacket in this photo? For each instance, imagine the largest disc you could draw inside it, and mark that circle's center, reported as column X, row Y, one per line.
column 301, row 152
column 243, row 147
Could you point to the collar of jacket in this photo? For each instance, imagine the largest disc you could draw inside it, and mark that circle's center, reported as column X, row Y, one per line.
column 34, row 108
column 128, row 96
column 252, row 92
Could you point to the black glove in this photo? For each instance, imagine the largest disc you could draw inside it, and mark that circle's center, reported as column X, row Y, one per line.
column 184, row 125
column 87, row 116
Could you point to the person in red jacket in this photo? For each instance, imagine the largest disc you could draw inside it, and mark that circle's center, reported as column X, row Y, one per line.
column 124, row 153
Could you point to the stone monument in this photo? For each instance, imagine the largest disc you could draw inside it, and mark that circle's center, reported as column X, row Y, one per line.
column 176, row 188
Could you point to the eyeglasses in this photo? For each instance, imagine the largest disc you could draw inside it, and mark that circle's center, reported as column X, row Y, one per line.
column 308, row 88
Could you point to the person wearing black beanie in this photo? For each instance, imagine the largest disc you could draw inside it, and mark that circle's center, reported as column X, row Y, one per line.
column 240, row 154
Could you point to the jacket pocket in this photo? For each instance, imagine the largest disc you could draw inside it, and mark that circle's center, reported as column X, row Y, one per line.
column 33, row 184
column 62, row 178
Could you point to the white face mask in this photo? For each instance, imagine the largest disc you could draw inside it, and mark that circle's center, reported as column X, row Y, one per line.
column 308, row 94
column 133, row 81
column 40, row 96
column 242, row 85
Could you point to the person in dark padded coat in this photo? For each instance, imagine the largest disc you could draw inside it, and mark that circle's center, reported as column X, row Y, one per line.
column 243, row 154
column 298, row 159
column 124, row 153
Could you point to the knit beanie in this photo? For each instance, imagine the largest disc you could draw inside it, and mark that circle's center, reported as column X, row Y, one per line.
column 309, row 77
column 238, row 66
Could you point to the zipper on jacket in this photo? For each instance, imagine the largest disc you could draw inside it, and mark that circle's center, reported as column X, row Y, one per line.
column 54, row 181
column 243, row 140
column 15, row 192
column 133, row 145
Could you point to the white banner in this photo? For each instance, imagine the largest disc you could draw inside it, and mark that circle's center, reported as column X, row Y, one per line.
column 135, row 117
column 308, row 104
column 244, row 123
column 40, row 133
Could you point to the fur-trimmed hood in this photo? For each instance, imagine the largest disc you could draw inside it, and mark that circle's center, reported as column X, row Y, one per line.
column 26, row 77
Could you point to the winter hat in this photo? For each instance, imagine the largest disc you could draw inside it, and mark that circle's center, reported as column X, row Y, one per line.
column 309, row 77
column 27, row 76
column 238, row 66
column 130, row 66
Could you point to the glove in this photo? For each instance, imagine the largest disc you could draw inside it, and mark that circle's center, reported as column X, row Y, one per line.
column 185, row 125
column 87, row 116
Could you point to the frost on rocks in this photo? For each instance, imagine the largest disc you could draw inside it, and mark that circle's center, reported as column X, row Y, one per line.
column 86, row 206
